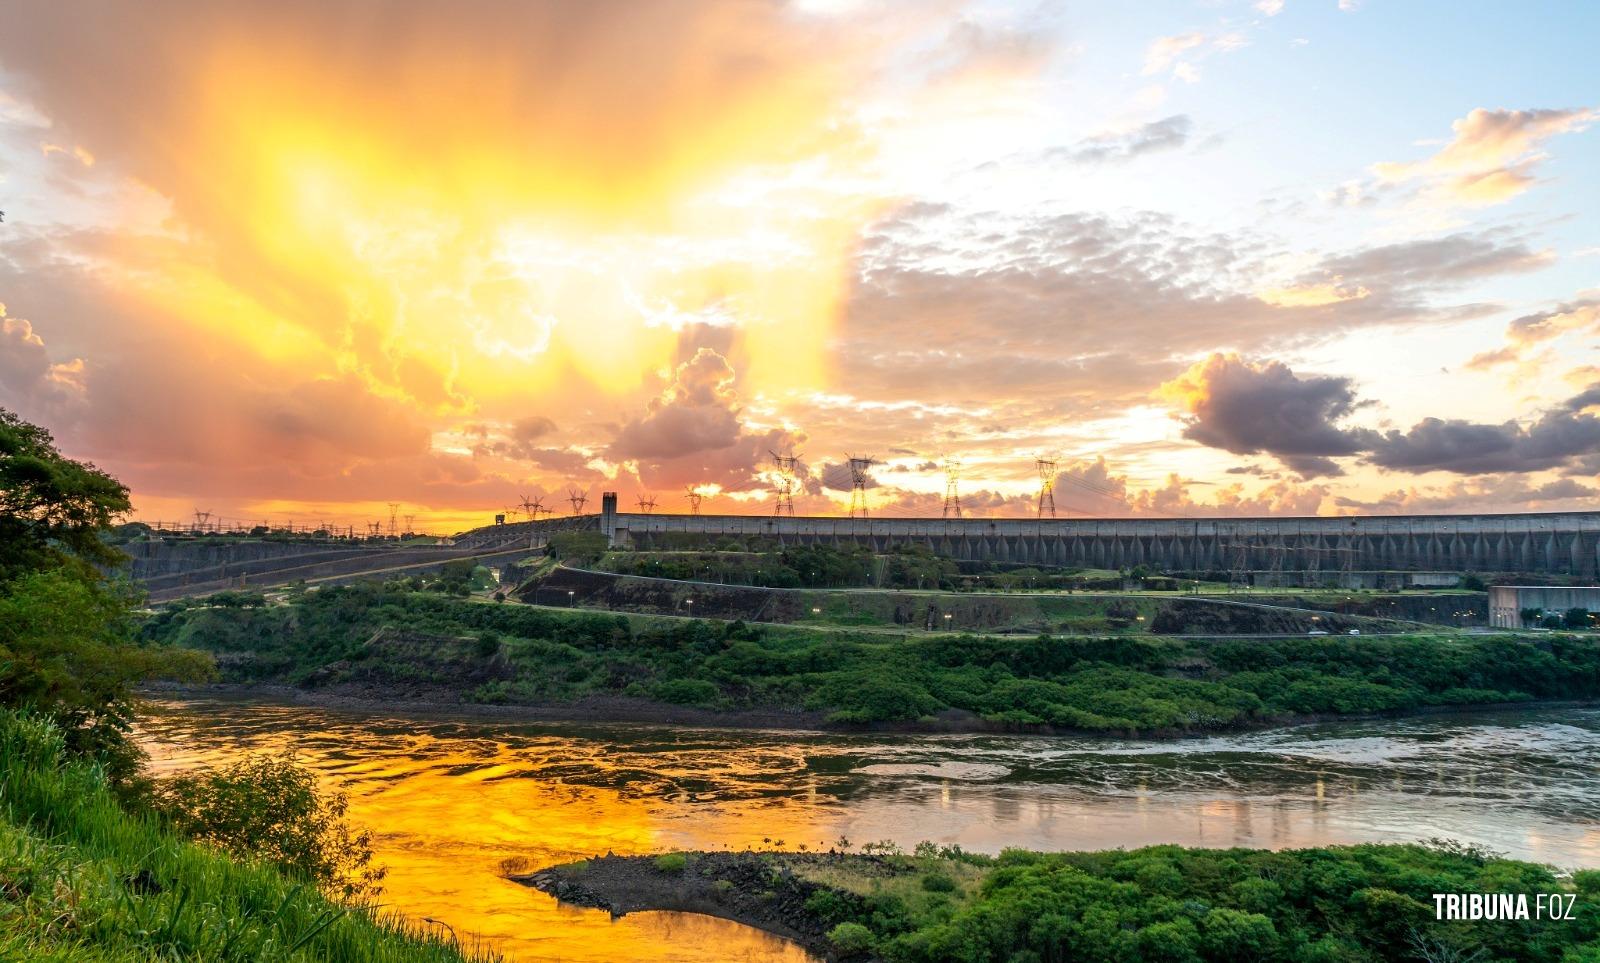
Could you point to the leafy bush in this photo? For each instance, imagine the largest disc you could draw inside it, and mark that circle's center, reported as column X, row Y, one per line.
column 672, row 862
column 269, row 807
column 870, row 697
column 851, row 939
column 687, row 692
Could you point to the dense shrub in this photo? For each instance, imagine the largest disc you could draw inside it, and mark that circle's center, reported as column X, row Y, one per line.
column 851, row 939
column 687, row 692
column 269, row 807
column 1354, row 903
column 672, row 862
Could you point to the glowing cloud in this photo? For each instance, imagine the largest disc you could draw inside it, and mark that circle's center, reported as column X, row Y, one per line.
column 1491, row 156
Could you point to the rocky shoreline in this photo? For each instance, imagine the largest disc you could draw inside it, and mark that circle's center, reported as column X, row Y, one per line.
column 757, row 889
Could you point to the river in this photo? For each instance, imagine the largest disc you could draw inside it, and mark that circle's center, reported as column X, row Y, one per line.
column 449, row 800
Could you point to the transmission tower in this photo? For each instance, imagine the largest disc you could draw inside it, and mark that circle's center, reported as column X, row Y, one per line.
column 952, row 481
column 394, row 519
column 200, row 520
column 695, row 495
column 860, row 469
column 410, row 528
column 787, row 466
column 1276, row 550
column 578, row 499
column 1239, row 567
column 1047, row 485
column 533, row 508
column 647, row 503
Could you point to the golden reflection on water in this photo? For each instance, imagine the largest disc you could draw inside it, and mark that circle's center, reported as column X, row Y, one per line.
column 445, row 813
column 448, row 801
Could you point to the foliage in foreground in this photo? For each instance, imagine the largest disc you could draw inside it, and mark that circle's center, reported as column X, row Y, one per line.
column 269, row 807
column 1095, row 684
column 82, row 879
column 1346, row 904
column 87, row 870
column 65, row 638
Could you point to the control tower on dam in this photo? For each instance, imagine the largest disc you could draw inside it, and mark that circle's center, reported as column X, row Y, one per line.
column 1555, row 543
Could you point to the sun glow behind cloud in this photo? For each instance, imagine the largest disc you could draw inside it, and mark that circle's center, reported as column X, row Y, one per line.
column 953, row 227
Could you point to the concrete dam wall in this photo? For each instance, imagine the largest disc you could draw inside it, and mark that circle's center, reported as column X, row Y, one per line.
column 1553, row 543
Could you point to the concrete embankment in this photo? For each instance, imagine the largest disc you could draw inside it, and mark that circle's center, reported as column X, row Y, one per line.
column 999, row 612
column 171, row 570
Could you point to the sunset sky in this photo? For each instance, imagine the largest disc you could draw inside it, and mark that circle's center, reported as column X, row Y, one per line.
column 298, row 259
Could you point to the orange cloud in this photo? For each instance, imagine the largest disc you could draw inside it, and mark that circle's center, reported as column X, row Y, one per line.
column 1490, row 158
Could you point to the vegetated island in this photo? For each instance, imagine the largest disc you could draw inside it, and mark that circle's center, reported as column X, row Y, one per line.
column 397, row 645
column 1342, row 904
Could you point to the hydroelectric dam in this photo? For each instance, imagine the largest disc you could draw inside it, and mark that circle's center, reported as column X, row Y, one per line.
column 1547, row 543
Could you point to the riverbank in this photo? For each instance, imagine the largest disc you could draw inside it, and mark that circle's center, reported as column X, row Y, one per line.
column 84, row 876
column 1357, row 903
column 604, row 710
column 394, row 645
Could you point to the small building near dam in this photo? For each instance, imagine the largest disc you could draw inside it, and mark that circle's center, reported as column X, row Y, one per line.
column 1508, row 602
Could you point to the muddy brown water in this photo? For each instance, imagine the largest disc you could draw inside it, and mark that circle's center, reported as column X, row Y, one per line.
column 449, row 800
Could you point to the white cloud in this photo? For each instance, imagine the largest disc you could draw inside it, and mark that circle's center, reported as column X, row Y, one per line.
column 1164, row 51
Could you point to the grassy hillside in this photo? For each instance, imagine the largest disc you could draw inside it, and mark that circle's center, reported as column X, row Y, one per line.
column 414, row 643
column 83, row 880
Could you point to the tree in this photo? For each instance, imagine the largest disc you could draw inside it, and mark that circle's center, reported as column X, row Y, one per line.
column 53, row 510
column 65, row 652
column 1577, row 617
column 65, row 636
